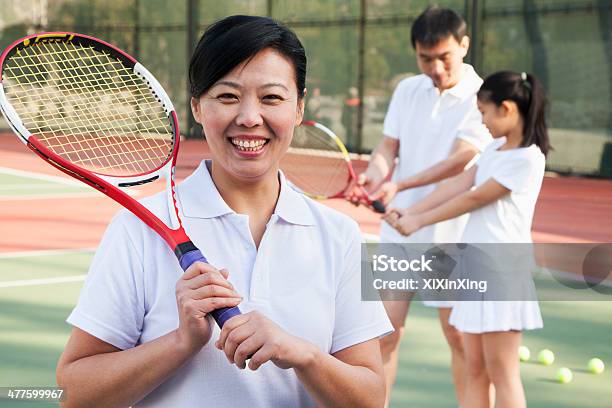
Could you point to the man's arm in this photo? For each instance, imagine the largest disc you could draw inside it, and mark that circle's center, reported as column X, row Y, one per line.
column 382, row 162
column 461, row 154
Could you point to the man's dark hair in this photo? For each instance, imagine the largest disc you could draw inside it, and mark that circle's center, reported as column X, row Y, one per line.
column 436, row 24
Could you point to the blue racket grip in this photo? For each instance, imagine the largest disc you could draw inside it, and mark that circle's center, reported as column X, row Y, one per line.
column 379, row 207
column 186, row 259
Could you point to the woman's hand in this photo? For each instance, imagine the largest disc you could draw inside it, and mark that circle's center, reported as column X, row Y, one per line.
column 403, row 221
column 201, row 289
column 253, row 335
column 385, row 193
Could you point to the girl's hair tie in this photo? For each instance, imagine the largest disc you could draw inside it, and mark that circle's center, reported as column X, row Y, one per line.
column 525, row 81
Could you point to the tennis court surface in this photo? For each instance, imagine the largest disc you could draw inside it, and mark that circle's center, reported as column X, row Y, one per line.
column 48, row 238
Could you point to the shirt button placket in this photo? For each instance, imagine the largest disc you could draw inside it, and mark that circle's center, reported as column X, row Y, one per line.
column 261, row 266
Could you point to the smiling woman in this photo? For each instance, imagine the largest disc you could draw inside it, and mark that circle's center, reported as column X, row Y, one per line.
column 143, row 327
column 250, row 114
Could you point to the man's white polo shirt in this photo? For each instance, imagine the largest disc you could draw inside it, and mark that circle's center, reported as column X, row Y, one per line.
column 427, row 122
column 305, row 277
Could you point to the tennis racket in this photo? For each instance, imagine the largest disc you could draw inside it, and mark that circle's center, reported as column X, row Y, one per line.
column 318, row 164
column 95, row 113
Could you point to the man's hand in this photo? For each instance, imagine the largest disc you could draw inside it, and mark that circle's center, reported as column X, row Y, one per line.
column 386, row 192
column 366, row 183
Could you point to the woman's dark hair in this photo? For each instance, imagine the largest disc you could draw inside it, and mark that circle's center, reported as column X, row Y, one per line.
column 529, row 95
column 436, row 24
column 235, row 39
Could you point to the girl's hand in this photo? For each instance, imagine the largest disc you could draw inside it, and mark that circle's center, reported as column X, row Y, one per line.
column 393, row 214
column 408, row 224
column 254, row 336
column 403, row 220
column 199, row 291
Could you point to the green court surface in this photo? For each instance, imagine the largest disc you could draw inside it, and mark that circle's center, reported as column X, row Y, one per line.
column 574, row 331
column 24, row 186
column 34, row 333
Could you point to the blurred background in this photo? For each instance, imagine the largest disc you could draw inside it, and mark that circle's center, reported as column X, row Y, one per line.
column 358, row 50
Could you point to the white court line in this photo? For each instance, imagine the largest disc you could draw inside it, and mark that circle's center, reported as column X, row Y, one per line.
column 47, row 252
column 40, row 176
column 85, row 194
column 37, row 282
column 68, row 279
column 28, row 186
column 55, row 179
column 47, row 281
column 52, row 196
column 88, row 192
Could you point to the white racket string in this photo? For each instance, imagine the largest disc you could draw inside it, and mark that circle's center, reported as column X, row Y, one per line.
column 89, row 108
column 315, row 163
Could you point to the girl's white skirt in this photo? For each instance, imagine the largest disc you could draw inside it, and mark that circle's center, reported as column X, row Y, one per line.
column 494, row 316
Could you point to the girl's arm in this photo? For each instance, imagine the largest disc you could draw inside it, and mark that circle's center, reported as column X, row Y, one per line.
column 445, row 191
column 461, row 154
column 461, row 204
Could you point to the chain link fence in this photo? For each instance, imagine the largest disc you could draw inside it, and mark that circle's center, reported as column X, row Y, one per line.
column 358, row 50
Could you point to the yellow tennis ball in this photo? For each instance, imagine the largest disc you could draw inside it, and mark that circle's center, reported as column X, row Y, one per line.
column 564, row 375
column 524, row 353
column 596, row 366
column 546, row 357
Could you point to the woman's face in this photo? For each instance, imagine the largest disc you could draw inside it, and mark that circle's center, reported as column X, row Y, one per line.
column 249, row 115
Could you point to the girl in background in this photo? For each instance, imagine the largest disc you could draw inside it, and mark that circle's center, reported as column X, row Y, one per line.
column 500, row 193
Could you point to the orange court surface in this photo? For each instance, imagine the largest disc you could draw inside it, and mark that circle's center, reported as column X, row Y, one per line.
column 569, row 210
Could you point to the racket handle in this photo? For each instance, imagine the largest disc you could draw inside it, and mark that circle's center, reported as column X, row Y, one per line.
column 379, row 207
column 186, row 259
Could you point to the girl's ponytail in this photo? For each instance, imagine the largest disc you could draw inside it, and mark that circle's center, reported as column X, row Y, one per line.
column 529, row 95
column 535, row 130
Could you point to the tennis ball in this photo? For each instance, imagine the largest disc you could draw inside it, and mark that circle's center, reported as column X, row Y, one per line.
column 524, row 353
column 546, row 357
column 564, row 375
column 596, row 366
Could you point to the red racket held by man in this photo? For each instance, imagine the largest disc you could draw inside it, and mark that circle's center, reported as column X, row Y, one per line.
column 319, row 165
column 95, row 113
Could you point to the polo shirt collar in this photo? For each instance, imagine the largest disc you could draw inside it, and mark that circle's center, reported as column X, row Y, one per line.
column 199, row 198
column 292, row 206
column 466, row 86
